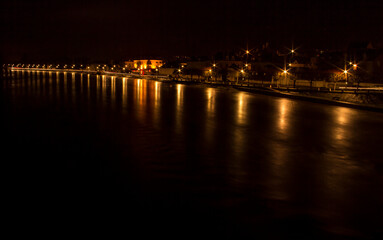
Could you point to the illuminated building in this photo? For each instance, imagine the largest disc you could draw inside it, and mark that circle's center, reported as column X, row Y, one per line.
column 147, row 64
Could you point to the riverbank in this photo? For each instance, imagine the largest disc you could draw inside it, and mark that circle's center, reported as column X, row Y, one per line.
column 363, row 101
column 366, row 98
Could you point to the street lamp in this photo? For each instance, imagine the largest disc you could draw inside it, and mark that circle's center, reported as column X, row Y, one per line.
column 285, row 72
column 346, row 73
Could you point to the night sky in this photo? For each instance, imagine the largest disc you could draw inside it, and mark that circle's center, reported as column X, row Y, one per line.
column 103, row 30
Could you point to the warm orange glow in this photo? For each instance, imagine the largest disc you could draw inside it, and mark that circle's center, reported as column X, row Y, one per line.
column 147, row 63
column 345, row 72
column 210, row 98
column 241, row 108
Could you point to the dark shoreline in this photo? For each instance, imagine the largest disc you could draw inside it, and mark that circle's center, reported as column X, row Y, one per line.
column 277, row 93
column 285, row 93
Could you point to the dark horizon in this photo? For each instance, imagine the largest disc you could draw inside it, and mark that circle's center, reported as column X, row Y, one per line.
column 100, row 31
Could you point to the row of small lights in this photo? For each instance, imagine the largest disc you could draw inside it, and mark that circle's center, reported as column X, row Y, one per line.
column 66, row 66
column 57, row 66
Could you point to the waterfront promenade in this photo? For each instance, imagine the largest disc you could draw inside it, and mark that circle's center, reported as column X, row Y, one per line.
column 354, row 97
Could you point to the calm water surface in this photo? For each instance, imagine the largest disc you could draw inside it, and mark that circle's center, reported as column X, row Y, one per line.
column 85, row 152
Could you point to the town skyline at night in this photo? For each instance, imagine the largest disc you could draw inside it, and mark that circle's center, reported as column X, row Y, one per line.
column 220, row 119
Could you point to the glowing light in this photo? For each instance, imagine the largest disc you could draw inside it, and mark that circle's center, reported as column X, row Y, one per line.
column 210, row 99
column 345, row 71
column 241, row 108
column 242, row 71
column 284, row 71
column 179, row 95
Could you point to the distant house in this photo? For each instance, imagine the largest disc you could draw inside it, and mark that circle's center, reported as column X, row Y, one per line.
column 144, row 64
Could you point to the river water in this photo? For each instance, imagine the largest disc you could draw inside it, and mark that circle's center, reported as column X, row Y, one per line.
column 90, row 153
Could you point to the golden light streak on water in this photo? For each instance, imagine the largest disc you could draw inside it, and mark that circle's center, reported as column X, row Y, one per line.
column 241, row 108
column 44, row 80
column 342, row 118
column 81, row 82
column 124, row 92
column 210, row 100
column 283, row 118
column 179, row 107
column 103, row 88
column 113, row 89
column 65, row 83
column 50, row 82
column 156, row 93
column 179, row 95
column 98, row 82
column 210, row 114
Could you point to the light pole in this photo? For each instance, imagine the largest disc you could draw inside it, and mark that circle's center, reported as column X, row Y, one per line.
column 214, row 71
column 346, row 74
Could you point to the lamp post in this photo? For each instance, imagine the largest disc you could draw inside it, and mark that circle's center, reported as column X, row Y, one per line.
column 214, row 71
column 346, row 74
column 285, row 75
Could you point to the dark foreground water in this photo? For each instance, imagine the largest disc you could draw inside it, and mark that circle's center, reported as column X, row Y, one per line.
column 93, row 155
